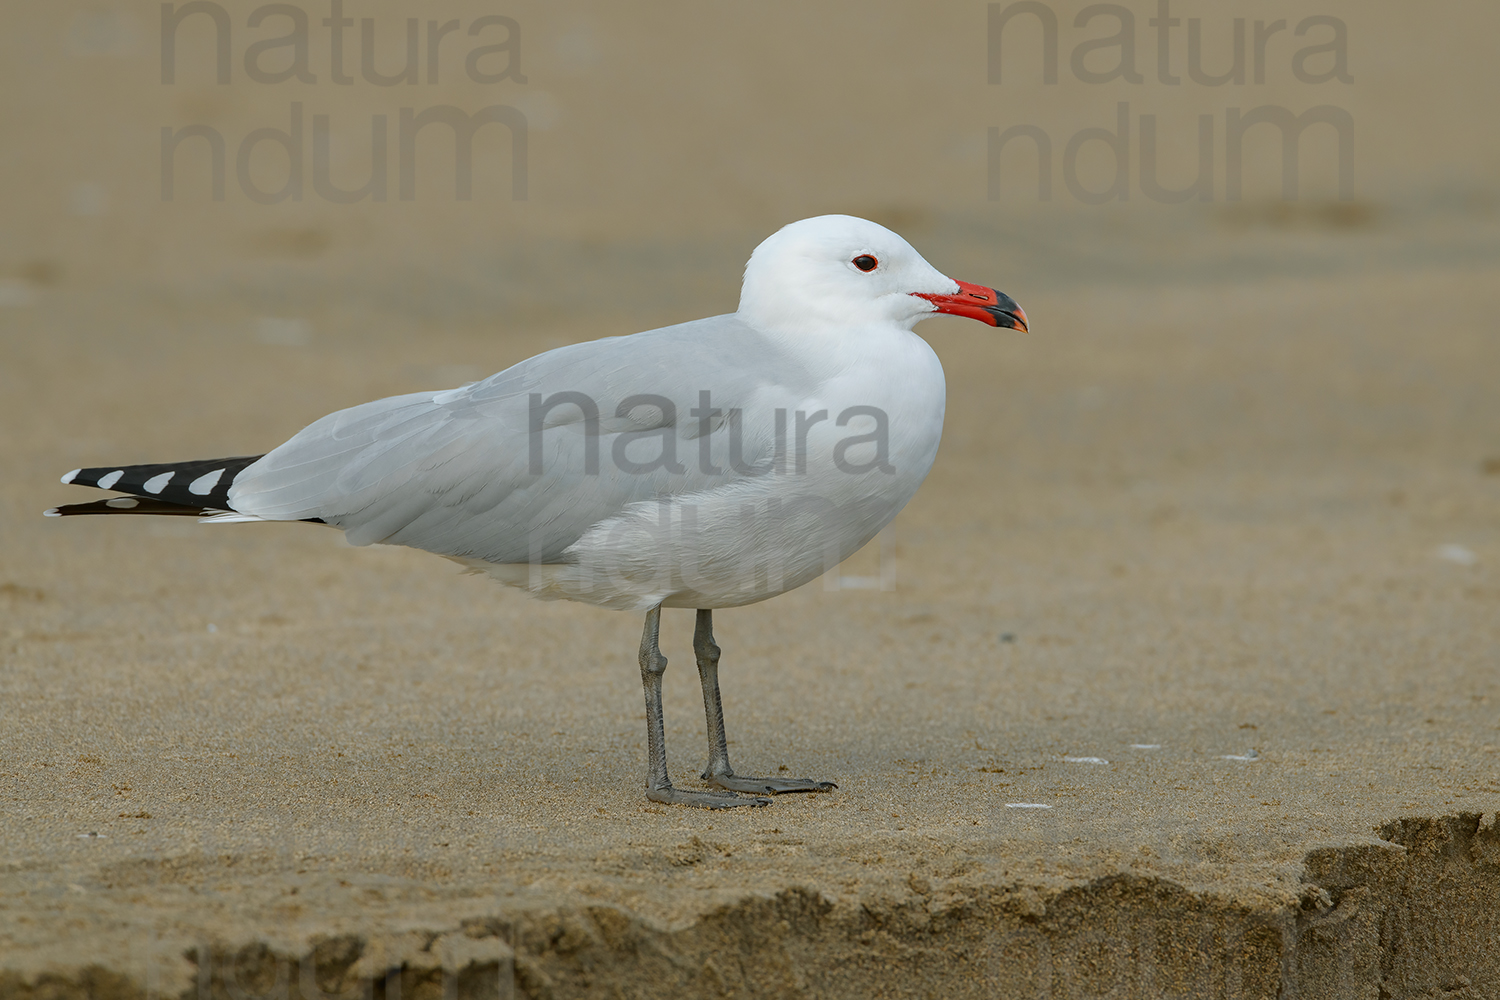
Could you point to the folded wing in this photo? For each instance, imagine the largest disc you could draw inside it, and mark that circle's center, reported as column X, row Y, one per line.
column 454, row 473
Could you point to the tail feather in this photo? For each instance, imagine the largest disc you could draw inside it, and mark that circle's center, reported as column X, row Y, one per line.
column 203, row 484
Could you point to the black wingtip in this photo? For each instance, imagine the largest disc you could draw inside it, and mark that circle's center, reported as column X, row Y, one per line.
column 131, row 505
column 201, row 483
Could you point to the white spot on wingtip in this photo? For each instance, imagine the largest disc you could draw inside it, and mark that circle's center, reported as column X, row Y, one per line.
column 158, row 483
column 204, row 484
column 69, row 477
column 1027, row 805
column 108, row 480
column 122, row 503
column 52, row 512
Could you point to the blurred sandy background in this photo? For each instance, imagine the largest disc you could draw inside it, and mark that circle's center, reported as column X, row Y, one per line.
column 678, row 130
column 1238, row 490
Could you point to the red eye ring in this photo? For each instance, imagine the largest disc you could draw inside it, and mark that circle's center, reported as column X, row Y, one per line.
column 865, row 262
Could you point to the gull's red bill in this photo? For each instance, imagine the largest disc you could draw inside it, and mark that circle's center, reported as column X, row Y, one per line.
column 984, row 304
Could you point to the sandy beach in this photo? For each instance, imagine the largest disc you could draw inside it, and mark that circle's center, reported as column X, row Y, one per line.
column 1177, row 678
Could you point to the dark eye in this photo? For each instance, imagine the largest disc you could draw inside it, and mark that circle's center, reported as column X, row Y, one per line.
column 865, row 262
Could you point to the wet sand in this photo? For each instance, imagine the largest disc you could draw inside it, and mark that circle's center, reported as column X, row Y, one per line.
column 1173, row 529
column 1184, row 680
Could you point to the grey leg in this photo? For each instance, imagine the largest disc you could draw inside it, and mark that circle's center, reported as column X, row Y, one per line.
column 658, row 785
column 718, row 772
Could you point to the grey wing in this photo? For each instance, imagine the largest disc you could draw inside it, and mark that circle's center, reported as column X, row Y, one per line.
column 457, row 472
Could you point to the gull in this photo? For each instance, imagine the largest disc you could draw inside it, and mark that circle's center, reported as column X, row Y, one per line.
column 706, row 465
